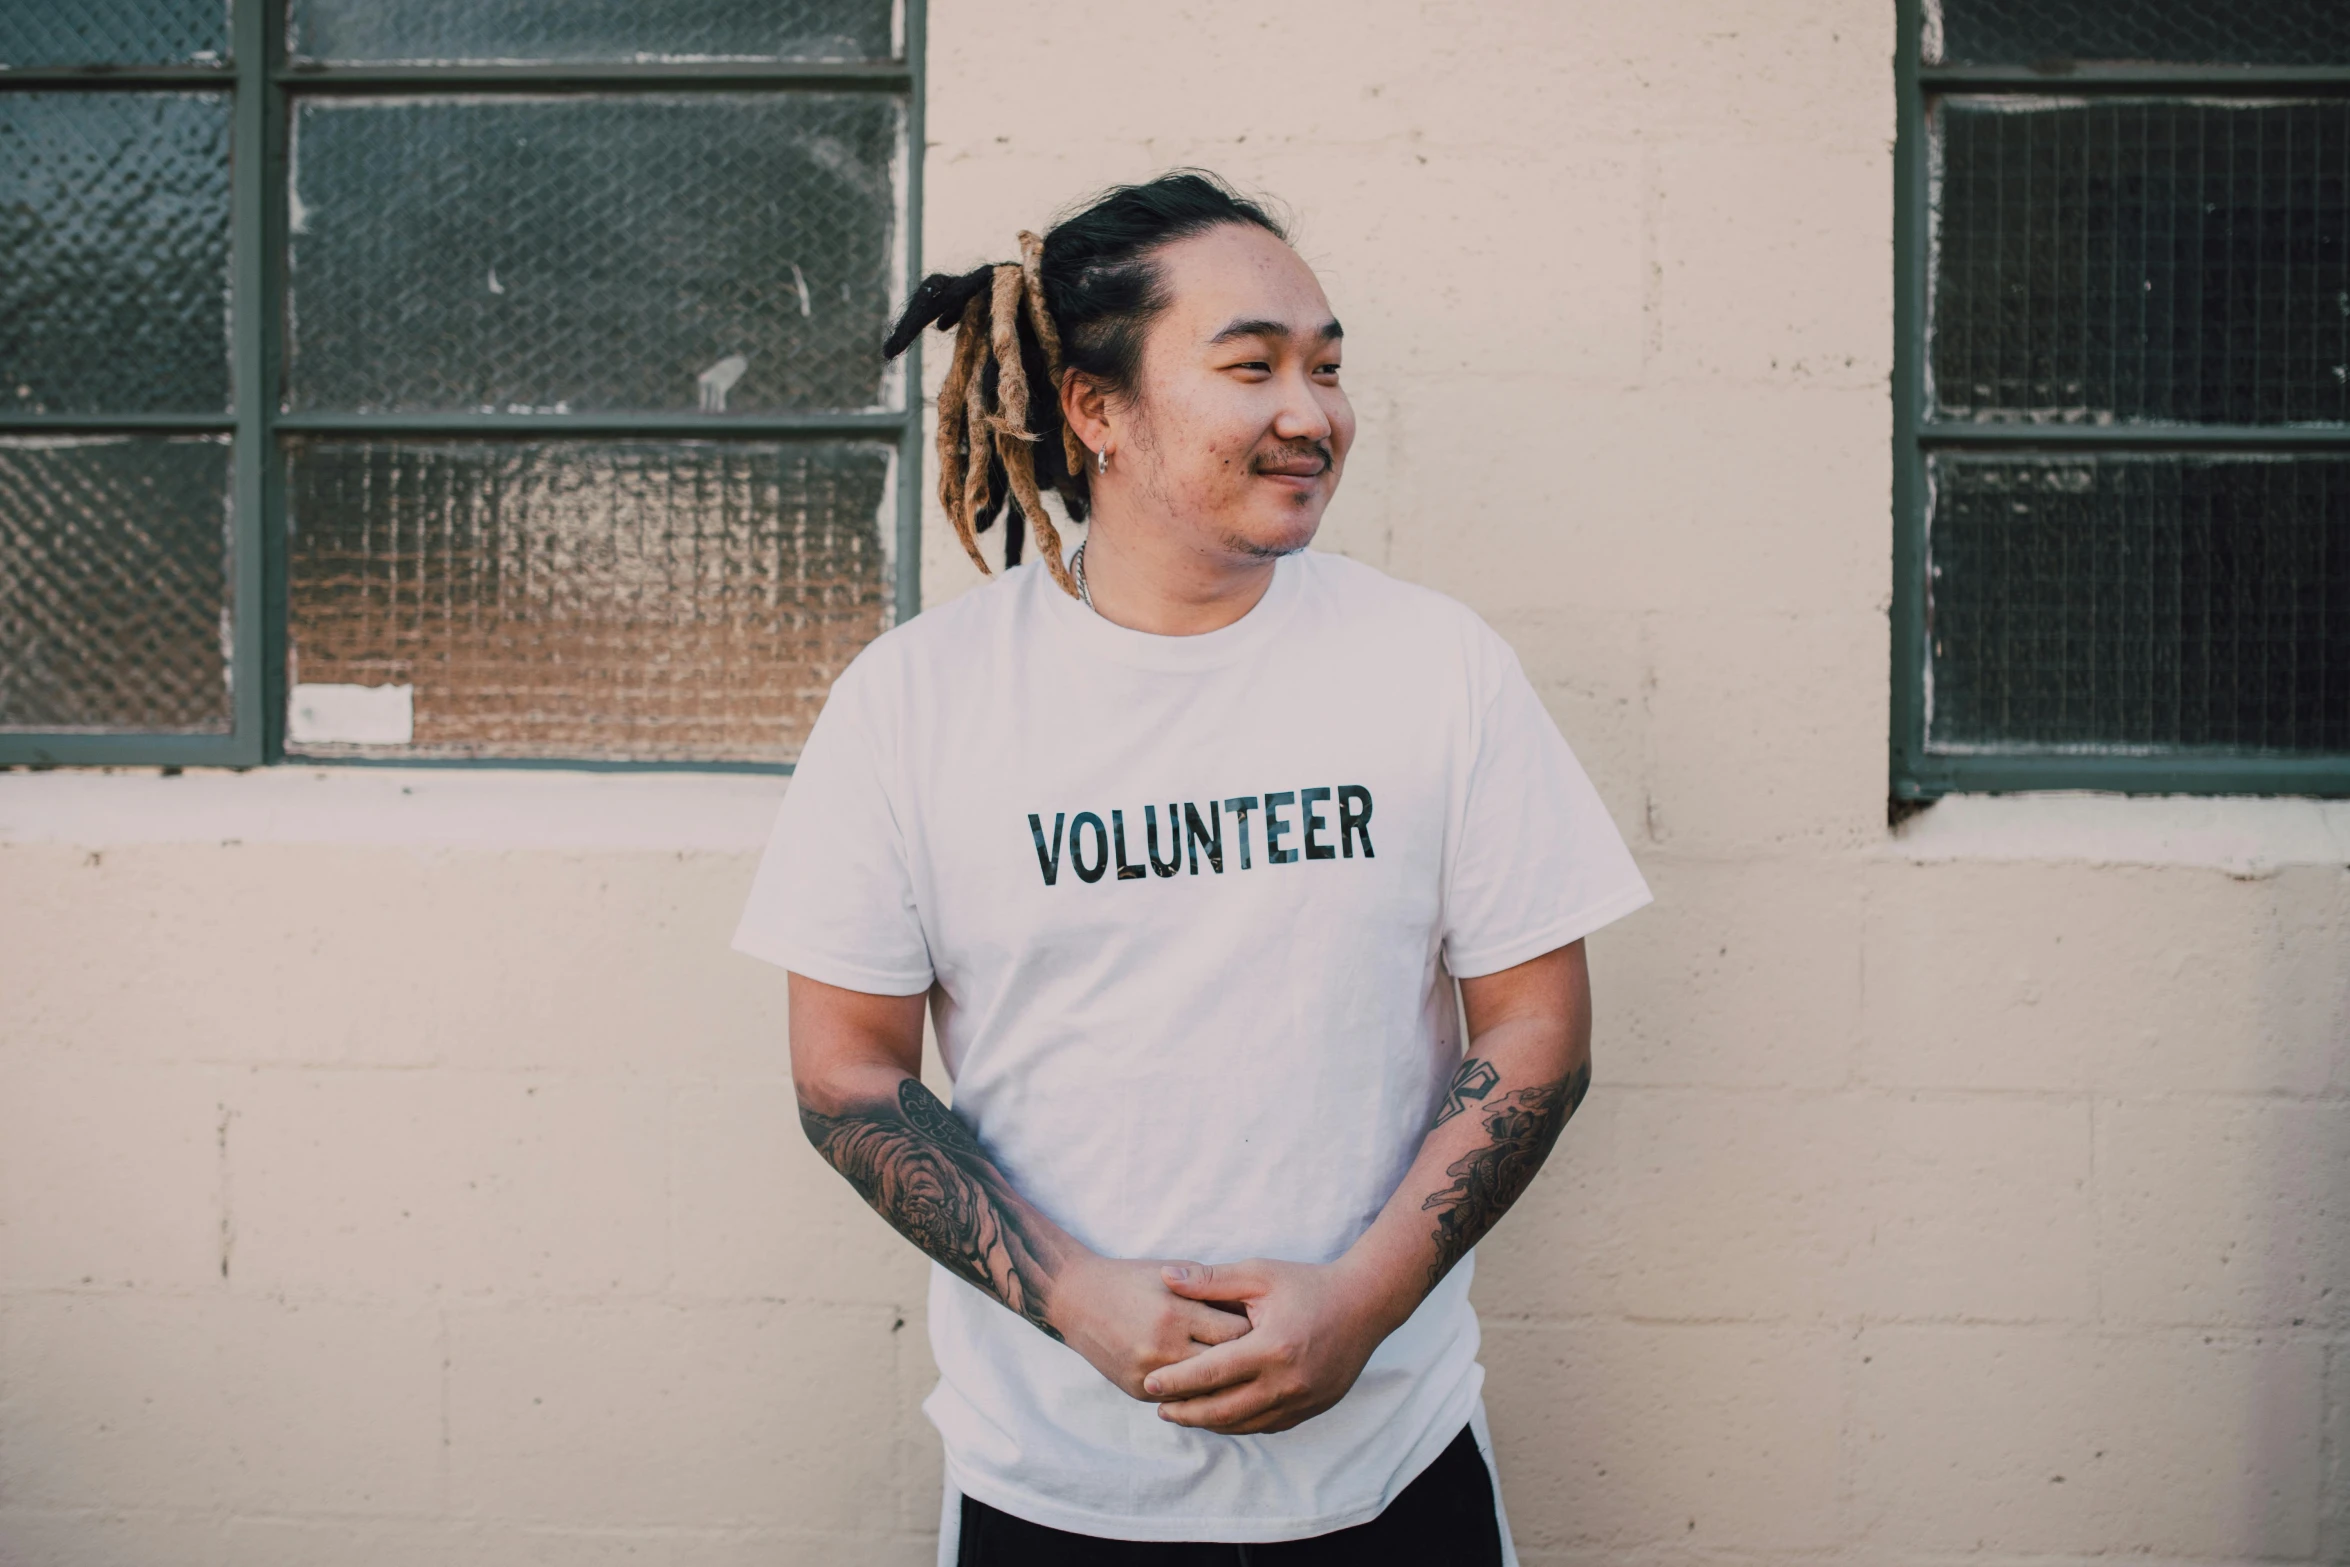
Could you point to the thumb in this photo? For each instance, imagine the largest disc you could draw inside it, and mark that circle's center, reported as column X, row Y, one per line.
column 1214, row 1281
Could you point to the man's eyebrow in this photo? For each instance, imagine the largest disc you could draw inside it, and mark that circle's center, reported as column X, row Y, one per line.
column 1330, row 331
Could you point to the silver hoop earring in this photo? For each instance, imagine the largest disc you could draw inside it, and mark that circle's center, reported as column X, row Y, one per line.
column 1101, row 460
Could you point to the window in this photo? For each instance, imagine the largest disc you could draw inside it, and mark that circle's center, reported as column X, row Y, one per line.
column 2122, row 397
column 450, row 379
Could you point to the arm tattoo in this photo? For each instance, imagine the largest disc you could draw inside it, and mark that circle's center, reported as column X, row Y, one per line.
column 1522, row 1127
column 924, row 1171
column 1474, row 1080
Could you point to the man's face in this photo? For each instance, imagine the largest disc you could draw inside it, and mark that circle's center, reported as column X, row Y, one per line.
column 1241, row 428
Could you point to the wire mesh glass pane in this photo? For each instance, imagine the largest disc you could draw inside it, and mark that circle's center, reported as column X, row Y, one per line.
column 114, row 584
column 113, row 32
column 716, row 251
column 629, row 599
column 2120, row 261
column 422, row 32
column 2190, row 32
column 114, row 222
column 2139, row 603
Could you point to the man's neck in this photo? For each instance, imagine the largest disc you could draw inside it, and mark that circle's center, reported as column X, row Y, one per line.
column 1146, row 581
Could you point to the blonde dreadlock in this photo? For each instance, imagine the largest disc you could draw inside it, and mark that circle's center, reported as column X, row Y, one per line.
column 1013, row 439
column 954, row 439
column 1078, row 299
column 1048, row 337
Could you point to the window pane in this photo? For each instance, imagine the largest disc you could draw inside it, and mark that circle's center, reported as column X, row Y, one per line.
column 114, row 584
column 2033, row 32
column 113, row 32
column 723, row 251
column 656, row 600
column 2136, row 260
column 114, row 219
column 2139, row 602
column 479, row 31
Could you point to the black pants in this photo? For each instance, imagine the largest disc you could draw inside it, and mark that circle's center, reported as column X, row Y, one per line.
column 1444, row 1518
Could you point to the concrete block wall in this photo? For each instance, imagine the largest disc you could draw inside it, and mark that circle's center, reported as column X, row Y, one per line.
column 387, row 1196
column 406, row 1205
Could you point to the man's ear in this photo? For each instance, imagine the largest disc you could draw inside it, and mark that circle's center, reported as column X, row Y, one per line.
column 1085, row 408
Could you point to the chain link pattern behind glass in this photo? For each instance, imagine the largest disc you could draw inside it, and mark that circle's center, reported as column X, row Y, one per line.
column 2140, row 602
column 449, row 31
column 623, row 599
column 114, row 226
column 113, row 32
column 722, row 251
column 114, row 583
column 2136, row 260
column 2174, row 32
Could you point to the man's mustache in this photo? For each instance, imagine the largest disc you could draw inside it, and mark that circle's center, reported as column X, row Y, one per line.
column 1295, row 456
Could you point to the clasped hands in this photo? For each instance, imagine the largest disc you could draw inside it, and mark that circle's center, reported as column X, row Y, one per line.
column 1239, row 1348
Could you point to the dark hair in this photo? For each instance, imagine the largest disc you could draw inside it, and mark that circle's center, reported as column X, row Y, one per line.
column 1080, row 299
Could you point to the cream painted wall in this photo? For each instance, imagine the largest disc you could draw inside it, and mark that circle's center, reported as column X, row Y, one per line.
column 400, row 1177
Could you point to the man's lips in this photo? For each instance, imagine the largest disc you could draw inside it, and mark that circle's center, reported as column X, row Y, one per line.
column 1294, row 467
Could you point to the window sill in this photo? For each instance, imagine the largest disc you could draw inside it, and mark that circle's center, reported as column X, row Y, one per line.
column 393, row 807
column 2244, row 836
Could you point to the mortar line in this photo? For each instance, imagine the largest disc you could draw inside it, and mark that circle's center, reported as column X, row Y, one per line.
column 1652, row 282
column 2096, row 1213
column 227, row 1218
column 441, row 1465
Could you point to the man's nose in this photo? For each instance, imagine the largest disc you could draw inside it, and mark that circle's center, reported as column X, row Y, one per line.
column 1301, row 416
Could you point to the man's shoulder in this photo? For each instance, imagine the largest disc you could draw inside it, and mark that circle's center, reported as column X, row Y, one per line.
column 1396, row 611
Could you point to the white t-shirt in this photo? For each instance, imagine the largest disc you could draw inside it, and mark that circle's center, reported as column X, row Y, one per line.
column 1192, row 907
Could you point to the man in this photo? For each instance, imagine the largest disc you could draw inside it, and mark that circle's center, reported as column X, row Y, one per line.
column 1185, row 842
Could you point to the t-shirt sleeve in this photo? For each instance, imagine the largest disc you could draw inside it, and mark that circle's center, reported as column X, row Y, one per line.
column 1537, row 864
column 834, row 897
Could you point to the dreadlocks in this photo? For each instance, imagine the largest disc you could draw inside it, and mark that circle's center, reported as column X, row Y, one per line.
column 1079, row 299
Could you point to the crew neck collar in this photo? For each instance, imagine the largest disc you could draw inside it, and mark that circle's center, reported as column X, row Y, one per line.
column 1105, row 638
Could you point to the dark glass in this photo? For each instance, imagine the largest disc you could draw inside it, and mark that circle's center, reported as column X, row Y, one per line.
column 2120, row 261
column 114, row 584
column 619, row 599
column 2169, row 32
column 113, row 32
column 719, row 251
column 583, row 31
column 2139, row 603
column 114, row 226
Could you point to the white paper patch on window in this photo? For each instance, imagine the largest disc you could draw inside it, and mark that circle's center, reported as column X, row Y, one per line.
column 351, row 715
column 719, row 380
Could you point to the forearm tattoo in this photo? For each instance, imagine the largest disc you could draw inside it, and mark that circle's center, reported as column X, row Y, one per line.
column 1474, row 1080
column 926, row 1172
column 1522, row 1126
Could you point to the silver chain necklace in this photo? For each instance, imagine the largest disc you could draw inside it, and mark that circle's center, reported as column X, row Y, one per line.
column 1077, row 569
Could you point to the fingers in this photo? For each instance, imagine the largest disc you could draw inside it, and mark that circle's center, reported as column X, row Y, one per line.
column 1277, row 1418
column 1236, row 1411
column 1216, row 1281
column 1207, row 1325
column 1205, row 1372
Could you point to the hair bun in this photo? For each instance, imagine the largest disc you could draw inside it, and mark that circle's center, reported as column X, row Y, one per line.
column 940, row 301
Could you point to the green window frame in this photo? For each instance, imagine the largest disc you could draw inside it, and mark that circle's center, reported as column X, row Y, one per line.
column 1922, row 770
column 263, row 90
